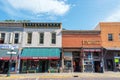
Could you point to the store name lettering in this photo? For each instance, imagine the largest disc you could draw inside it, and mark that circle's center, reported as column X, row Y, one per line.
column 6, row 46
column 91, row 42
column 40, row 57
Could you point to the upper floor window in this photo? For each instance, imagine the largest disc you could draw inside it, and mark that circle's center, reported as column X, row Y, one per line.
column 53, row 39
column 119, row 36
column 29, row 38
column 2, row 38
column 110, row 37
column 16, row 39
column 41, row 38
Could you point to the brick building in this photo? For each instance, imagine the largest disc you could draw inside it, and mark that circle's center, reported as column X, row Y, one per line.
column 110, row 36
column 81, row 50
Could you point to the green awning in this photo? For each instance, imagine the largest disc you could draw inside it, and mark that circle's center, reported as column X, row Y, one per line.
column 5, row 56
column 40, row 53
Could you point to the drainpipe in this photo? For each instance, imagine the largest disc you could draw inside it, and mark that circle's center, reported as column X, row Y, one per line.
column 62, row 61
column 82, row 53
column 102, row 62
column 18, row 61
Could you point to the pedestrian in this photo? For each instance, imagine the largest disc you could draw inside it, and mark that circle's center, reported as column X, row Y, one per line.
column 58, row 67
column 101, row 67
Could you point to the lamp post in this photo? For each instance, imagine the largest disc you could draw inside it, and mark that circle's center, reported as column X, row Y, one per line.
column 9, row 65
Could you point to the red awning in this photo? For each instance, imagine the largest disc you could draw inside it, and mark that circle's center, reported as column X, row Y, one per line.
column 45, row 58
column 8, row 58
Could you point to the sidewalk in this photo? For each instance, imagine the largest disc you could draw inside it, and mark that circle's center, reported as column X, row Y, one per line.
column 61, row 75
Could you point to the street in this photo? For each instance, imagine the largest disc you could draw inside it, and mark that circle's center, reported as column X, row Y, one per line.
column 63, row 76
column 65, row 79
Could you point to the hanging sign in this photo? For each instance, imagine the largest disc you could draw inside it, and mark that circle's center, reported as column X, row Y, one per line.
column 7, row 46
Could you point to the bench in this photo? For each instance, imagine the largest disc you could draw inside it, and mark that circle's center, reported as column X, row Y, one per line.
column 28, row 71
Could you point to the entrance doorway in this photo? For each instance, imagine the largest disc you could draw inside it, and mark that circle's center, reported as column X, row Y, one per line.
column 43, row 66
column 76, row 62
column 4, row 66
column 109, row 64
column 97, row 66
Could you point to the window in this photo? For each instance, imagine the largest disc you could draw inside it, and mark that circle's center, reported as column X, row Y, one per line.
column 16, row 39
column 110, row 37
column 29, row 39
column 53, row 38
column 119, row 36
column 41, row 38
column 2, row 38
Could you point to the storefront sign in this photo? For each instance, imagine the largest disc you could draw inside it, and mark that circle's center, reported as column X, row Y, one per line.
column 67, row 58
column 116, row 60
column 91, row 42
column 7, row 46
column 92, row 50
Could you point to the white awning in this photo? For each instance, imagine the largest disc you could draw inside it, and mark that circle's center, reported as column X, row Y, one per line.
column 113, row 49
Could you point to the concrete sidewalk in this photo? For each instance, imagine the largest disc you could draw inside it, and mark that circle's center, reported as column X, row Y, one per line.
column 61, row 75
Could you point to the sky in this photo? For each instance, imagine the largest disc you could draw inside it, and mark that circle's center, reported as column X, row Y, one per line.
column 73, row 14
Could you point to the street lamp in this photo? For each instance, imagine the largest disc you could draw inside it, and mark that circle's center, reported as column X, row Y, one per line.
column 11, row 52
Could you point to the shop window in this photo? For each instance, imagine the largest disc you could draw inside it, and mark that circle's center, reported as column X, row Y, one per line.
column 2, row 38
column 54, row 64
column 53, row 39
column 119, row 54
column 24, row 66
column 16, row 39
column 41, row 38
column 96, row 54
column 29, row 39
column 67, row 64
column 33, row 65
column 88, row 63
column 110, row 37
column 119, row 36
column 13, row 66
column 88, row 55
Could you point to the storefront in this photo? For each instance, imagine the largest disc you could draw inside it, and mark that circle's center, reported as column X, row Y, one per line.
column 72, row 60
column 5, row 59
column 92, row 58
column 112, row 59
column 40, row 60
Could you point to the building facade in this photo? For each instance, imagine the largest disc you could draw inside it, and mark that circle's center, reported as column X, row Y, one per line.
column 41, row 47
column 110, row 36
column 10, row 37
column 45, row 47
column 37, row 47
column 82, row 50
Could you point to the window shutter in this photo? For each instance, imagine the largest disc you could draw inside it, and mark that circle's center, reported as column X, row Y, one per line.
column 6, row 38
column 11, row 38
column 0, row 35
column 20, row 37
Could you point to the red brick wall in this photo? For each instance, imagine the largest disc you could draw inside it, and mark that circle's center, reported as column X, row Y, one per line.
column 76, row 40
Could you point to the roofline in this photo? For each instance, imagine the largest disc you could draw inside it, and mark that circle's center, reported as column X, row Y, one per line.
column 81, row 31
column 32, row 22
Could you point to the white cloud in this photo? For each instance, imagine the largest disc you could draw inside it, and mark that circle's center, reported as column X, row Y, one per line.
column 50, row 7
column 114, row 16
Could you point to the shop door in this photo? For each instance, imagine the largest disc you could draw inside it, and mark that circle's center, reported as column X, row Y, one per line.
column 109, row 64
column 97, row 66
column 6, row 67
column 43, row 66
column 76, row 61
